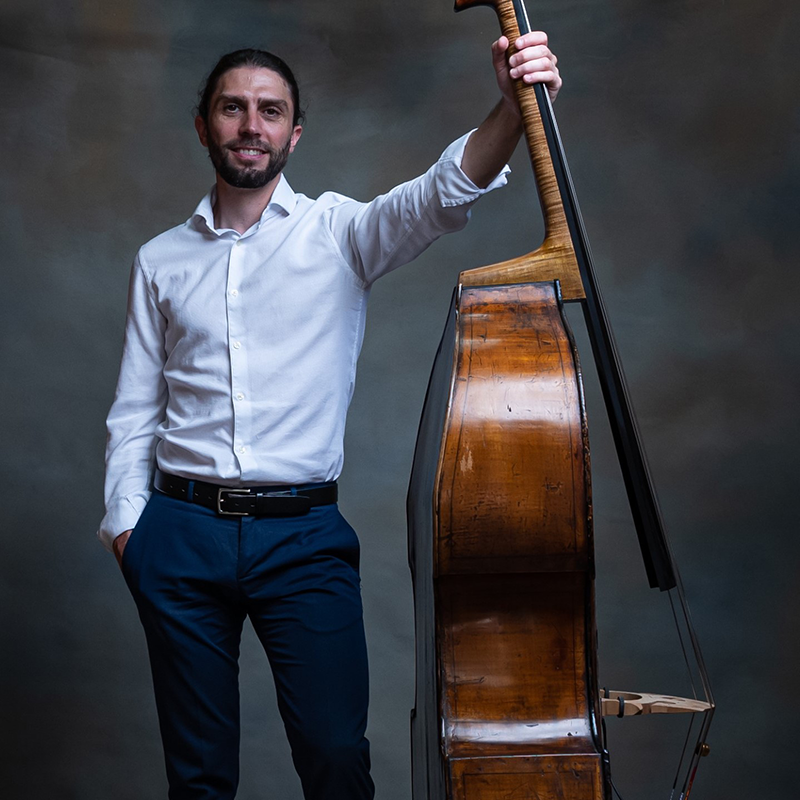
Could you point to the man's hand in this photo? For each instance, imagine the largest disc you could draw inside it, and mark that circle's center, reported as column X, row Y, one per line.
column 493, row 143
column 532, row 63
column 119, row 543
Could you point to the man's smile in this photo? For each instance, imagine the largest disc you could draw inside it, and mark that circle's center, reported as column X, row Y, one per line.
column 249, row 153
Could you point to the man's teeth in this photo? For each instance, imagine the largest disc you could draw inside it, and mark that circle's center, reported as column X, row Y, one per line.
column 250, row 152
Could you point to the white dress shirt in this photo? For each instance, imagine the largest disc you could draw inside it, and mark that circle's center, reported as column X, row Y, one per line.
column 240, row 350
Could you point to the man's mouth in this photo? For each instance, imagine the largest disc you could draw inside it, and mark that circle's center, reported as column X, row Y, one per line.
column 249, row 152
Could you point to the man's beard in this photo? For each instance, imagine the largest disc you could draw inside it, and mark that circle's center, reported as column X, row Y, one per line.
column 248, row 177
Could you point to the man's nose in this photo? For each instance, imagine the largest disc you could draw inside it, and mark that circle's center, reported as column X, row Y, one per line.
column 249, row 122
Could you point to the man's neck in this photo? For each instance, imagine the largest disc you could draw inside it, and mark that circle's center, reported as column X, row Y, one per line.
column 240, row 209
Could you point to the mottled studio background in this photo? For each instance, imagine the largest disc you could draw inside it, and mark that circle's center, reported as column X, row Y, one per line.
column 681, row 120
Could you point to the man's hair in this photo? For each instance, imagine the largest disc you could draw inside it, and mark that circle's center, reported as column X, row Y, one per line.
column 249, row 58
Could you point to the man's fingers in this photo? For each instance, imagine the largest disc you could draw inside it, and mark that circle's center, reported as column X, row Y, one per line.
column 501, row 45
column 532, row 62
column 531, row 39
column 537, row 70
column 536, row 65
column 552, row 79
column 531, row 54
column 118, row 545
column 499, row 52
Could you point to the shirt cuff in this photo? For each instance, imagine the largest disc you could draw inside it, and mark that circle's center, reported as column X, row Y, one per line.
column 453, row 185
column 122, row 515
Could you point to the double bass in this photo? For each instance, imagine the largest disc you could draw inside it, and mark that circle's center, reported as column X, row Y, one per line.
column 508, row 703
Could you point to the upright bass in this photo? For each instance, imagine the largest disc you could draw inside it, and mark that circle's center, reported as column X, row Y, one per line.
column 500, row 521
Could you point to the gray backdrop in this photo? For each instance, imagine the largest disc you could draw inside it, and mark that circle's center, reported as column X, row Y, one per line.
column 681, row 121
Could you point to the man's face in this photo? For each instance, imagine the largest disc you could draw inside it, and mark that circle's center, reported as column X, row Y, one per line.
column 249, row 133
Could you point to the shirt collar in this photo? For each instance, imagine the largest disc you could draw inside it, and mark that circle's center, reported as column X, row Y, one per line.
column 283, row 197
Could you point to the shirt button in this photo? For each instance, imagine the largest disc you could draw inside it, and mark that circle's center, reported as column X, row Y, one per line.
column 242, row 450
column 237, row 345
column 234, row 293
column 240, row 396
column 238, row 242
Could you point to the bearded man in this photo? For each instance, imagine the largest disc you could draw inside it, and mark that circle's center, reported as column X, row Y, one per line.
column 243, row 330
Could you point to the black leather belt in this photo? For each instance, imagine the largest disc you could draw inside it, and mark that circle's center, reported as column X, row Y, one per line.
column 248, row 501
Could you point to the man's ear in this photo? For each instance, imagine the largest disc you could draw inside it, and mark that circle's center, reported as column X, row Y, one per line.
column 295, row 137
column 202, row 130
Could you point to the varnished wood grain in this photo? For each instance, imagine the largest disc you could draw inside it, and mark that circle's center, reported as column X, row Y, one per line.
column 503, row 565
column 512, row 493
column 548, row 263
column 513, row 553
column 520, row 778
column 503, row 561
column 555, row 259
column 514, row 665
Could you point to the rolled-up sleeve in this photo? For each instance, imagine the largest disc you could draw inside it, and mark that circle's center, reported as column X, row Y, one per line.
column 394, row 228
column 138, row 408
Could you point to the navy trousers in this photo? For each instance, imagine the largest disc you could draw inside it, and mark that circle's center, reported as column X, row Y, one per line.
column 195, row 577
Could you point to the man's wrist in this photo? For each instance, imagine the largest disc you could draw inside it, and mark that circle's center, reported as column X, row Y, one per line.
column 508, row 106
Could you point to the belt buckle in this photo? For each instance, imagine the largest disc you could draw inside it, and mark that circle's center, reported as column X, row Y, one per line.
column 221, row 510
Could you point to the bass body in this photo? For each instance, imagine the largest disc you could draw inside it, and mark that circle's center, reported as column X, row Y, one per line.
column 500, row 535
column 500, row 521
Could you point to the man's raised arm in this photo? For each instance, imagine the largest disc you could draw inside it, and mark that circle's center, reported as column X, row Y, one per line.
column 492, row 144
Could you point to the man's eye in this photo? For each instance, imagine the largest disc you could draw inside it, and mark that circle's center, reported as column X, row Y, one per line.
column 230, row 108
column 271, row 112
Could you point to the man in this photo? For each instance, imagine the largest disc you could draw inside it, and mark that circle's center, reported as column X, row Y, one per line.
column 244, row 326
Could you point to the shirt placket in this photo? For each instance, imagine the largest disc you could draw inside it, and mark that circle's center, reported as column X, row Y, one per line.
column 238, row 348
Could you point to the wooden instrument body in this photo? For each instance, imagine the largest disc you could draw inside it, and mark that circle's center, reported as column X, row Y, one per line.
column 500, row 534
column 500, row 520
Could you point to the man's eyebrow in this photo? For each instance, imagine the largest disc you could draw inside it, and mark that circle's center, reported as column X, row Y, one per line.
column 267, row 101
